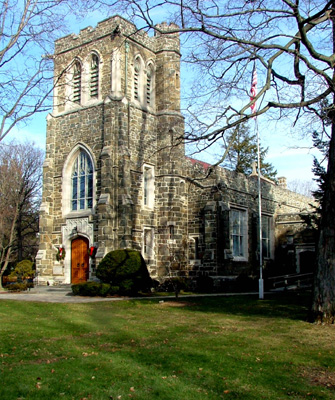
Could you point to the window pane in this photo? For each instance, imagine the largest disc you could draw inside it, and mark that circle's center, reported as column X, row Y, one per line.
column 82, row 187
column 236, row 246
column 82, row 163
column 266, row 237
column 265, row 227
column 241, row 246
column 74, row 193
column 236, row 222
column 265, row 249
column 74, row 187
column 90, row 186
column 89, row 166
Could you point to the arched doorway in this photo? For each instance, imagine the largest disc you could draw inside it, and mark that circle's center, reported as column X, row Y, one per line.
column 79, row 260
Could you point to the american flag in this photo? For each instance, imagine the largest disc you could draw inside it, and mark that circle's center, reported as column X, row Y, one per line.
column 253, row 90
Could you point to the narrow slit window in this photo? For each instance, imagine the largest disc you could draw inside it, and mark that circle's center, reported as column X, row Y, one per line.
column 148, row 243
column 148, row 186
column 171, row 232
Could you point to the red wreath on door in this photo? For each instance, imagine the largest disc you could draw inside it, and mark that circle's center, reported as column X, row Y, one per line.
column 92, row 251
column 60, row 254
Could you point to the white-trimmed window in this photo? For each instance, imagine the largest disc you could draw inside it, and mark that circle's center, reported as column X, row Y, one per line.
column 148, row 186
column 239, row 234
column 94, row 76
column 77, row 74
column 148, row 243
column 82, row 183
column 267, row 234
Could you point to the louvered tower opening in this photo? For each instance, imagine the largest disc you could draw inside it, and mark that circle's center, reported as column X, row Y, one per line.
column 77, row 83
column 149, row 86
column 136, row 79
column 94, row 84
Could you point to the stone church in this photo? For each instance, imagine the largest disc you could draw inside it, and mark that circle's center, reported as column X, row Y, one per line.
column 116, row 175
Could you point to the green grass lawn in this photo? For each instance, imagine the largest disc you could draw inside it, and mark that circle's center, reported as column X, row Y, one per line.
column 191, row 349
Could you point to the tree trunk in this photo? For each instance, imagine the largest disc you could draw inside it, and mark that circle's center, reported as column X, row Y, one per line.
column 323, row 307
column 5, row 260
column 4, row 266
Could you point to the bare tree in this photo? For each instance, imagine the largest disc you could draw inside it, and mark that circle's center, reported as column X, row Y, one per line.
column 292, row 44
column 20, row 191
column 27, row 33
column 302, row 186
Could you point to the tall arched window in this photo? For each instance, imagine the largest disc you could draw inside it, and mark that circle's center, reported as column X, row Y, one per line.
column 82, row 183
column 77, row 82
column 94, row 78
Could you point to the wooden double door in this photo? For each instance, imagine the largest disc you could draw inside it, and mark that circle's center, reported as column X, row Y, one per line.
column 79, row 260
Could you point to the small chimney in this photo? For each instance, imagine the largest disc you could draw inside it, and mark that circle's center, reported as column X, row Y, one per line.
column 282, row 182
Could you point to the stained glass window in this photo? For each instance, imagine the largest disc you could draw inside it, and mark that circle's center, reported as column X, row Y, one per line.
column 82, row 183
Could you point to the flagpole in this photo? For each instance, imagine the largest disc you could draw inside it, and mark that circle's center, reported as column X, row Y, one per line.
column 253, row 94
column 261, row 281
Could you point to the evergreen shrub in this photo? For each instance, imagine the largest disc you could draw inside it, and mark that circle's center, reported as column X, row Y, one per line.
column 91, row 289
column 126, row 269
column 17, row 287
column 23, row 270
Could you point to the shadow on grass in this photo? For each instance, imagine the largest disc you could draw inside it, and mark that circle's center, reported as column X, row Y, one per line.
column 290, row 305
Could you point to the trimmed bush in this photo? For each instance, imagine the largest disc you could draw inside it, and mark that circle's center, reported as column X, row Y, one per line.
column 23, row 270
column 125, row 269
column 17, row 287
column 105, row 289
column 91, row 289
